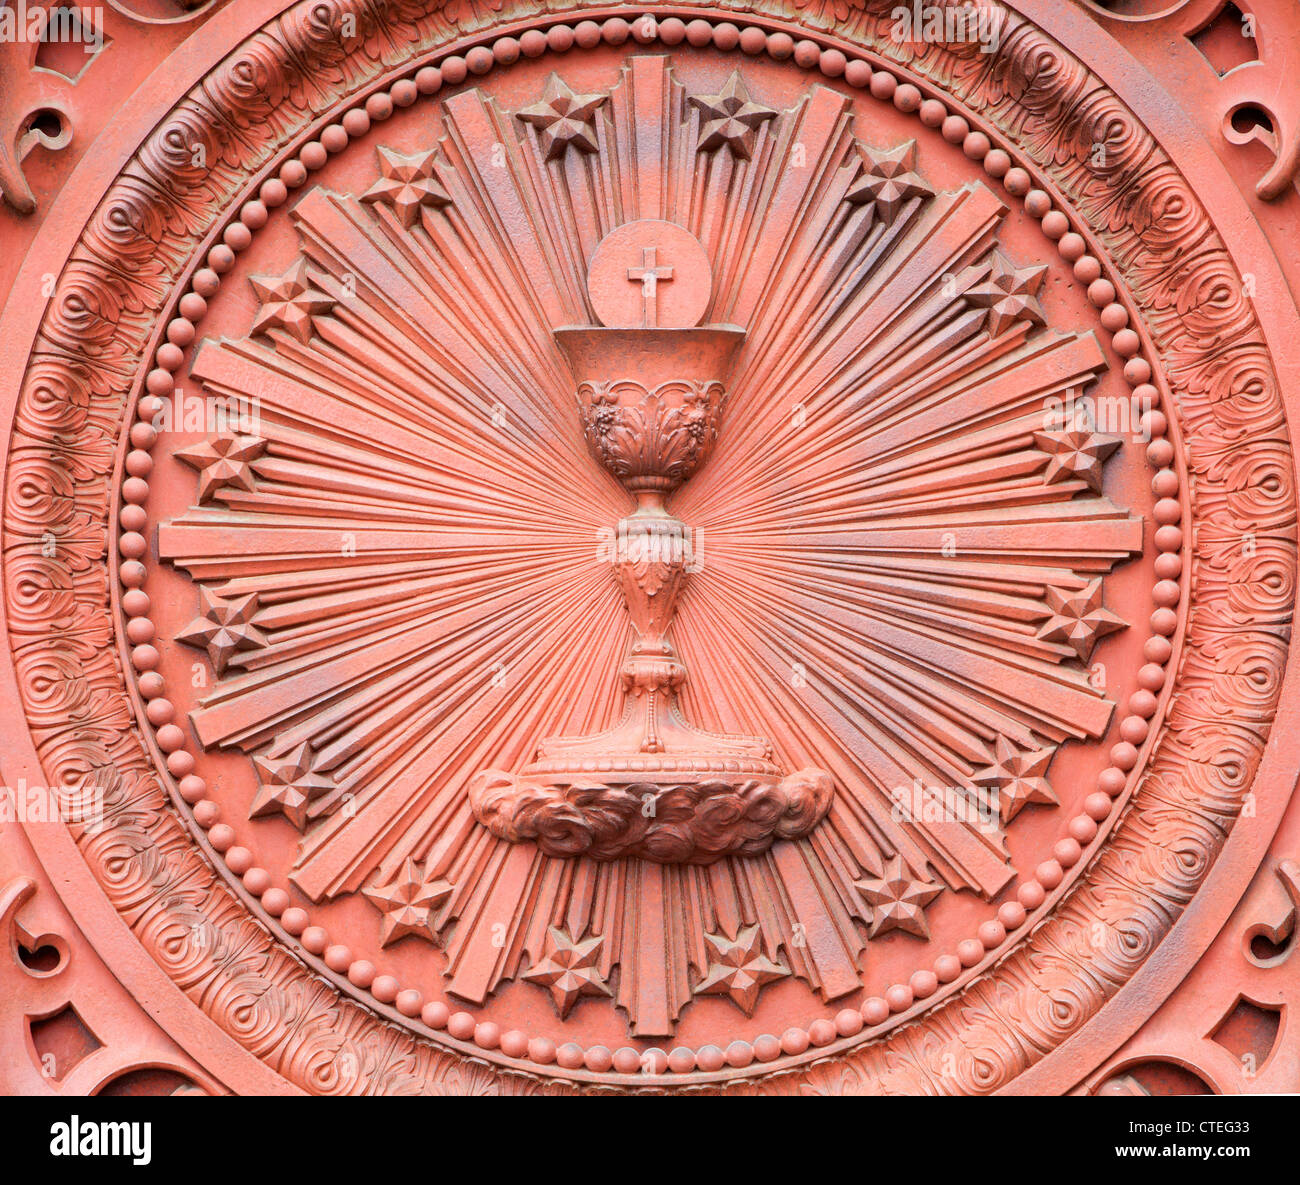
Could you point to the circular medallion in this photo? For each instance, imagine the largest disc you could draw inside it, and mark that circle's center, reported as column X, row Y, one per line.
column 649, row 556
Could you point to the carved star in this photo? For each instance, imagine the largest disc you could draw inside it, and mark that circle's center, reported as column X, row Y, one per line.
column 730, row 117
column 223, row 627
column 1009, row 294
column 1076, row 452
column 739, row 969
column 289, row 302
column 407, row 184
column 408, row 902
column 570, row 970
column 887, row 181
column 287, row 785
column 1078, row 618
column 225, row 460
column 1018, row 776
column 898, row 900
column 563, row 118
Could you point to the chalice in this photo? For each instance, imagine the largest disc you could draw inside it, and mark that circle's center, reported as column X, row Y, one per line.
column 650, row 384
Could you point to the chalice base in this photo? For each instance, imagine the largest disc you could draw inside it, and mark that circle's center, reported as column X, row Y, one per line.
column 653, row 787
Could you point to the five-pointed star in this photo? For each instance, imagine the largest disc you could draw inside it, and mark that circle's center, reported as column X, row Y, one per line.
column 1017, row 776
column 288, row 785
column 409, row 902
column 407, row 183
column 1009, row 294
column 1076, row 452
column 570, row 969
column 739, row 969
column 223, row 627
column 897, row 900
column 730, row 118
column 225, row 460
column 888, row 181
column 563, row 118
column 1078, row 618
column 288, row 302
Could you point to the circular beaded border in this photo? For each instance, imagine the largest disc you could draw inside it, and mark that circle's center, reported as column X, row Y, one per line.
column 883, row 84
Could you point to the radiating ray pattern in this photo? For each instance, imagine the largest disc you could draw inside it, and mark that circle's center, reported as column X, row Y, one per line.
column 417, row 521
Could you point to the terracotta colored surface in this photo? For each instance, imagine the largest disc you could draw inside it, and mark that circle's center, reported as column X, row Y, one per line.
column 650, row 550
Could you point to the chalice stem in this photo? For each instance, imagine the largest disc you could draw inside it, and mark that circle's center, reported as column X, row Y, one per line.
column 651, row 564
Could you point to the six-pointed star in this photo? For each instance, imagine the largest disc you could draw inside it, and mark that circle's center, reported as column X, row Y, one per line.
column 409, row 902
column 1075, row 452
column 730, row 117
column 563, row 118
column 570, row 970
column 739, row 969
column 898, row 900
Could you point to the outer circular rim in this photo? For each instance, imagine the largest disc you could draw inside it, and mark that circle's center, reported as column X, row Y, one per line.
column 1272, row 815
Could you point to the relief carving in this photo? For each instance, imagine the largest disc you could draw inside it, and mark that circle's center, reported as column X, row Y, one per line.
column 329, row 551
column 651, row 337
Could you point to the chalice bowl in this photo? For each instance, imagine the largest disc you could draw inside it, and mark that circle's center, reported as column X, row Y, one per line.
column 650, row 396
